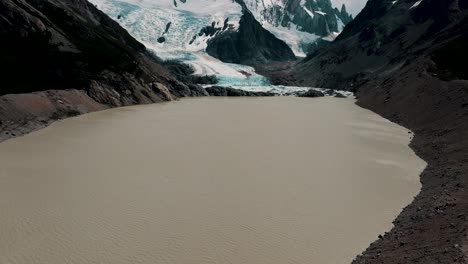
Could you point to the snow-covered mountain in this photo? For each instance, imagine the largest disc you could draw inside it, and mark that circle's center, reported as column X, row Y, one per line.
column 170, row 25
column 182, row 29
column 299, row 23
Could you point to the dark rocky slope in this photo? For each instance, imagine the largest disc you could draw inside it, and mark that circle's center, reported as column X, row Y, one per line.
column 73, row 59
column 386, row 37
column 406, row 62
column 251, row 44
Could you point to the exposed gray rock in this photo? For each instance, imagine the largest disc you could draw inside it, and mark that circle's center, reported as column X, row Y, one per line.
column 251, row 44
column 228, row 91
column 311, row 93
column 318, row 17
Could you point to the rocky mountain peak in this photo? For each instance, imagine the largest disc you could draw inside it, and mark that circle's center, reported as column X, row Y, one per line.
column 251, row 44
column 312, row 21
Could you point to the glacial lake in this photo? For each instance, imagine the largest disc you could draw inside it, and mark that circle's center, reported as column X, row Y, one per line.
column 213, row 180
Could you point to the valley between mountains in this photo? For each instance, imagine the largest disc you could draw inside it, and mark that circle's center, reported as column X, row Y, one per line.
column 403, row 60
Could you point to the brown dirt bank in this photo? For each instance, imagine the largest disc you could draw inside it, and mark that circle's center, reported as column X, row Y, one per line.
column 433, row 228
column 24, row 113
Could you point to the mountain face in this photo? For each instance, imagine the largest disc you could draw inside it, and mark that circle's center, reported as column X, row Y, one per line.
column 388, row 36
column 168, row 25
column 301, row 23
column 251, row 44
column 314, row 16
column 65, row 57
column 72, row 45
column 181, row 30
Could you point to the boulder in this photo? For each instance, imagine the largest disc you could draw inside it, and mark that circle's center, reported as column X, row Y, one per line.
column 311, row 93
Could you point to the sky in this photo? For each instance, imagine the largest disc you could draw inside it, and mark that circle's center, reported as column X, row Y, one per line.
column 353, row 6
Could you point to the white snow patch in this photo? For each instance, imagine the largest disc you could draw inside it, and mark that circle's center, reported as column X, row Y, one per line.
column 146, row 20
column 331, row 37
column 341, row 25
column 416, row 4
column 227, row 73
column 293, row 37
column 311, row 14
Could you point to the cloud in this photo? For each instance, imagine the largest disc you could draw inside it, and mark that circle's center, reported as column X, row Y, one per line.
column 353, row 6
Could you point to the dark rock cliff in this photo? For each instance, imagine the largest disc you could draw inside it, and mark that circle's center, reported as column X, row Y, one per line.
column 251, row 44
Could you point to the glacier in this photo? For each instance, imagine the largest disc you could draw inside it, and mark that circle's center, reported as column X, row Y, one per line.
column 147, row 20
column 173, row 30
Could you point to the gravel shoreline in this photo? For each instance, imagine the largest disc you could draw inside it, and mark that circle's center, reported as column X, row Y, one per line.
column 433, row 228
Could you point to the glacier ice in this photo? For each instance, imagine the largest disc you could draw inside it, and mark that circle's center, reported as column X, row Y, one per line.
column 181, row 25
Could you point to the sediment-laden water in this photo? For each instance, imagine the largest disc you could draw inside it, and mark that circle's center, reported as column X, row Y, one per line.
column 247, row 180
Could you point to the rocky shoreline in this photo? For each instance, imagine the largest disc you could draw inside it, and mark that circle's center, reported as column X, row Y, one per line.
column 407, row 67
column 21, row 114
column 433, row 228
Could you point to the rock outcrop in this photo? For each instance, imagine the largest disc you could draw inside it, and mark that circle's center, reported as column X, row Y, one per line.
column 311, row 93
column 232, row 92
column 250, row 44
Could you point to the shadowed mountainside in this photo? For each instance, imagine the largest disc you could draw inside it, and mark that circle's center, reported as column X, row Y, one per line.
column 71, row 59
column 386, row 37
column 72, row 45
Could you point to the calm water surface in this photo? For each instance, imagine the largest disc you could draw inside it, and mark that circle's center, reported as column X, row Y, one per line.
column 243, row 181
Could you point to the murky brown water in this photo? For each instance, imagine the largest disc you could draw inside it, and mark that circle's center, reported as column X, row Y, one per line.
column 243, row 181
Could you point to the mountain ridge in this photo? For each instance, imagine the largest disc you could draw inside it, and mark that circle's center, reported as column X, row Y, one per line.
column 314, row 22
